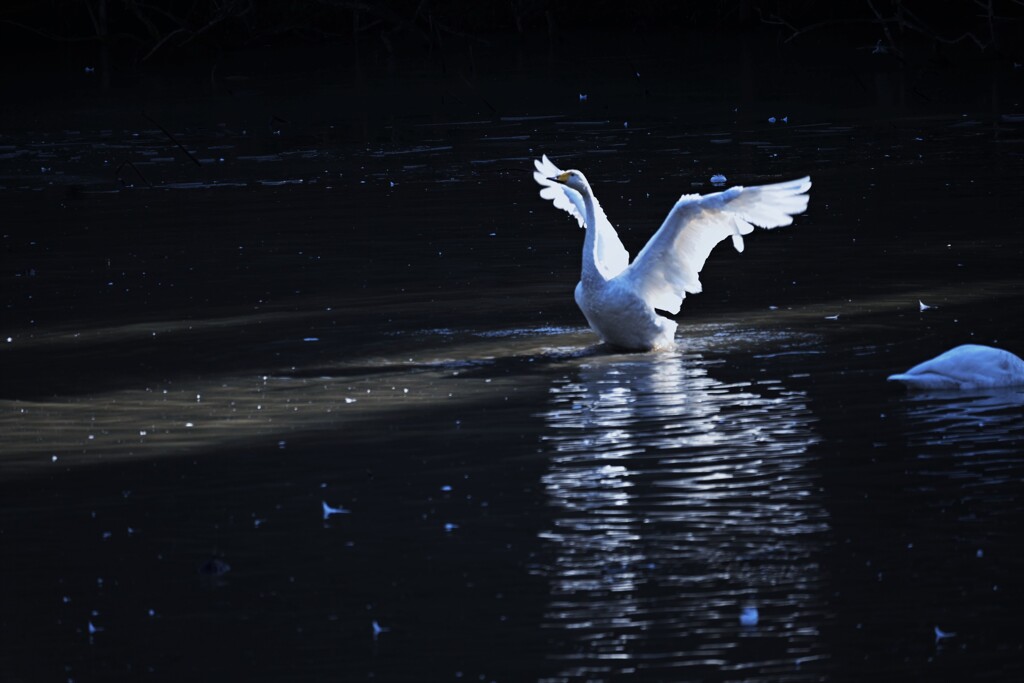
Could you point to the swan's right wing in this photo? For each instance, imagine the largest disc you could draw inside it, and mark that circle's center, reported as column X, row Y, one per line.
column 667, row 269
column 612, row 257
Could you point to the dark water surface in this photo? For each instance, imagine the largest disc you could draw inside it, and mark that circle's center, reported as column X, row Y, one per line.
column 348, row 292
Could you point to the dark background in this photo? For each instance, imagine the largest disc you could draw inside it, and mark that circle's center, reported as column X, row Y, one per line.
column 128, row 35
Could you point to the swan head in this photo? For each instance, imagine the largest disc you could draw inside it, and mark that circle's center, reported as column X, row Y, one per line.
column 574, row 180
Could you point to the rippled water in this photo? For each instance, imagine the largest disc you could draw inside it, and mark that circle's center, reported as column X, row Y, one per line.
column 220, row 316
column 679, row 502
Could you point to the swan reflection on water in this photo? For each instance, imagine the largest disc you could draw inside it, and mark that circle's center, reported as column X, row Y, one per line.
column 981, row 421
column 971, row 441
column 681, row 503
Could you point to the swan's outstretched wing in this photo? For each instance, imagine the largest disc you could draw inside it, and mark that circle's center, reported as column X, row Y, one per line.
column 565, row 199
column 666, row 270
column 612, row 257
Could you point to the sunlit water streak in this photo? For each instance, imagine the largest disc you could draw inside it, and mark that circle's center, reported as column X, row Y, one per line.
column 678, row 502
column 451, row 369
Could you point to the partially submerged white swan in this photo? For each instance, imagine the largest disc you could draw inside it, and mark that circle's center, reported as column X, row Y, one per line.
column 970, row 366
column 622, row 301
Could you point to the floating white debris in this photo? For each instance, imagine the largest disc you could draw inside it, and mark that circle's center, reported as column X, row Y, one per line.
column 771, row 119
column 350, row 400
column 450, row 527
column 583, row 97
column 940, row 634
column 378, row 629
column 310, row 339
column 328, row 510
column 832, row 317
column 749, row 616
column 718, row 179
column 923, row 306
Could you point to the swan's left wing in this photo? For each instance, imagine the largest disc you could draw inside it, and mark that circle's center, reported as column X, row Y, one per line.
column 612, row 257
column 667, row 269
column 562, row 197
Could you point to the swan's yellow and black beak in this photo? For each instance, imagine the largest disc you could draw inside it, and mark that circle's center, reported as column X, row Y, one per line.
column 561, row 177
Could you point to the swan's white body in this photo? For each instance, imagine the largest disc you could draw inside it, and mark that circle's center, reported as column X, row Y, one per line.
column 620, row 299
column 966, row 367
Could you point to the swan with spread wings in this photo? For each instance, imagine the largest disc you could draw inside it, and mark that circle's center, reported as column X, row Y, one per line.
column 623, row 301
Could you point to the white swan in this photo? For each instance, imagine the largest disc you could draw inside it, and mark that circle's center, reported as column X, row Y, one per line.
column 622, row 300
column 970, row 366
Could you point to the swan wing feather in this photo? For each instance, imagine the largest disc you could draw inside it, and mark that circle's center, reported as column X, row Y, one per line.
column 667, row 268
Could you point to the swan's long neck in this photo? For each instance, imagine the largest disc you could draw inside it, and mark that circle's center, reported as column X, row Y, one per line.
column 591, row 273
